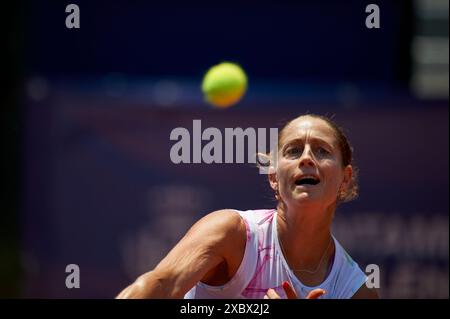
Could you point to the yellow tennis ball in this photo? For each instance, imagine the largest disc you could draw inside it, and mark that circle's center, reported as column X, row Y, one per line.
column 224, row 84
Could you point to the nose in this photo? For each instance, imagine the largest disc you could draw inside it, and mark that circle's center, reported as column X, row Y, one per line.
column 307, row 157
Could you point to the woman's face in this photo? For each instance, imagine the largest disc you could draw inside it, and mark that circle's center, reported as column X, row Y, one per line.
column 309, row 166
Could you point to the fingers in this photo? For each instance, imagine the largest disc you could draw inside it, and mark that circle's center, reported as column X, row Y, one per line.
column 290, row 292
column 315, row 294
column 271, row 294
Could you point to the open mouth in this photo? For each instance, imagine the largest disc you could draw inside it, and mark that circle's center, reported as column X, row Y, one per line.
column 307, row 180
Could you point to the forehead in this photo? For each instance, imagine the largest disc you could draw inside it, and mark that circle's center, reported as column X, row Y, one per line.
column 308, row 127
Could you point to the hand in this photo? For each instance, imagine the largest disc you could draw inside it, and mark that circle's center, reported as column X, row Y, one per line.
column 291, row 294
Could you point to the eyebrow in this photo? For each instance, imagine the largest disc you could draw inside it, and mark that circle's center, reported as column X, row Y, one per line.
column 314, row 139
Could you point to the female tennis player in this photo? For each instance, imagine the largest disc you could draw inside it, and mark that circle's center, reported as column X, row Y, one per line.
column 287, row 252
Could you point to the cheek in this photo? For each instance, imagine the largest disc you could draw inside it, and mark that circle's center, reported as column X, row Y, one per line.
column 333, row 175
column 284, row 170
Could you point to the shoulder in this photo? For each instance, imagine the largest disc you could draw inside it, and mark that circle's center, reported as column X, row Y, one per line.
column 346, row 262
column 209, row 244
column 225, row 220
column 351, row 282
column 222, row 232
column 223, row 227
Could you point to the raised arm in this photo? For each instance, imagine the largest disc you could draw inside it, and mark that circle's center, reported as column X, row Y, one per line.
column 216, row 239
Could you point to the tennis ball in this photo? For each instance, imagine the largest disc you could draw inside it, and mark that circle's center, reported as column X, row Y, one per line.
column 224, row 84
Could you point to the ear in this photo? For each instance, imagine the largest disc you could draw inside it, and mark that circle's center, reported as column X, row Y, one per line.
column 273, row 179
column 347, row 178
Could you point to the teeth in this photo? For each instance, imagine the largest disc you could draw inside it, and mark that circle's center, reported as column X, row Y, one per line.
column 309, row 176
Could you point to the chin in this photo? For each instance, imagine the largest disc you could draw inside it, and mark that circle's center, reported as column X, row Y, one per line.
column 305, row 199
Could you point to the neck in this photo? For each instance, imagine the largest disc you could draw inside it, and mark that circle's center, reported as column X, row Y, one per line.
column 305, row 235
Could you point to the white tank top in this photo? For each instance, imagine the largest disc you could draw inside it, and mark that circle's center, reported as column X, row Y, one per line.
column 263, row 266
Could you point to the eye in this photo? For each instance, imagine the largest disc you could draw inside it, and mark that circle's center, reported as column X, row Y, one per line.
column 293, row 151
column 322, row 151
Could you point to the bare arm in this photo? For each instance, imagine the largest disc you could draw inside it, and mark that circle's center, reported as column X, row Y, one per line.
column 216, row 238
